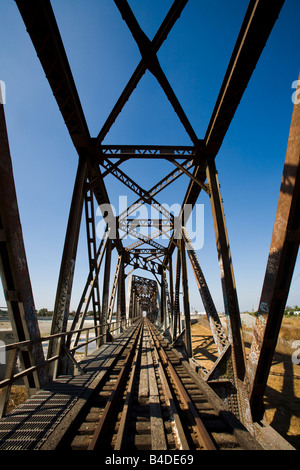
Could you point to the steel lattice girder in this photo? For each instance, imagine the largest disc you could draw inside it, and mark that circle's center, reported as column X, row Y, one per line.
column 257, row 25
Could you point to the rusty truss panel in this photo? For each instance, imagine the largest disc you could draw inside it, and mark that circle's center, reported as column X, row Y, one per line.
column 158, row 239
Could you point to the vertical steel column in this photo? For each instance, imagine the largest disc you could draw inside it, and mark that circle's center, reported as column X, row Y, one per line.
column 133, row 304
column 279, row 271
column 106, row 282
column 129, row 297
column 158, row 302
column 82, row 308
column 208, row 303
column 92, row 255
column 65, row 282
column 186, row 301
column 168, row 318
column 162, row 301
column 121, row 312
column 13, row 266
column 119, row 295
column 177, row 320
column 114, row 290
column 171, row 291
column 227, row 276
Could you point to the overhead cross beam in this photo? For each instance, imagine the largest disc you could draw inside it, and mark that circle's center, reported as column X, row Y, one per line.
column 146, row 151
column 162, row 184
column 150, row 59
column 159, row 38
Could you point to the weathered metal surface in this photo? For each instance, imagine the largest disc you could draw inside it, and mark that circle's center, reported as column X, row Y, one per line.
column 226, row 270
column 92, row 255
column 44, row 33
column 279, row 271
column 186, row 302
column 159, row 38
column 13, row 265
column 65, row 282
column 208, row 303
column 257, row 25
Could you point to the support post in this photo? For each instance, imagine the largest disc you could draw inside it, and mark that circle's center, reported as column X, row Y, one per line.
column 280, row 266
column 14, row 268
column 177, row 320
column 163, row 304
column 186, row 302
column 121, row 305
column 65, row 282
column 208, row 303
column 171, row 292
column 227, row 276
column 106, row 279
column 129, row 298
column 92, row 255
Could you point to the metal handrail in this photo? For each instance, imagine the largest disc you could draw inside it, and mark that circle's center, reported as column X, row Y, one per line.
column 27, row 344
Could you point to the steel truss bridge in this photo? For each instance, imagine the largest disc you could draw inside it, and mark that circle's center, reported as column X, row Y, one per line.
column 238, row 383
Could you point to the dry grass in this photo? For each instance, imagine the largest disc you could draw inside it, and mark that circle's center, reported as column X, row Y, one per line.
column 282, row 397
column 18, row 395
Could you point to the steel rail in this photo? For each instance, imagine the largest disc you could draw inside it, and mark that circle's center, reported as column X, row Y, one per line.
column 120, row 442
column 108, row 410
column 203, row 437
column 179, row 432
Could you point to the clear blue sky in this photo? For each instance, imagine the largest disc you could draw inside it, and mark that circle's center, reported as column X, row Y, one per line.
column 103, row 55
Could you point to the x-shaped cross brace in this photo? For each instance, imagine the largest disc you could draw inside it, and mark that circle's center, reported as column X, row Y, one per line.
column 149, row 61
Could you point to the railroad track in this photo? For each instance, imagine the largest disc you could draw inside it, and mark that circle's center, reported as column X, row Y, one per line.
column 151, row 400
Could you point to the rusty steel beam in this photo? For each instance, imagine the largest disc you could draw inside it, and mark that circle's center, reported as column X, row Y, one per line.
column 226, row 269
column 65, row 281
column 138, row 262
column 151, row 61
column 171, row 284
column 203, row 186
column 254, row 33
column 92, row 256
column 186, row 300
column 121, row 299
column 14, row 268
column 87, row 293
column 157, row 223
column 207, row 300
column 162, row 184
column 259, row 20
column 131, row 184
column 159, row 38
column 42, row 28
column 106, row 281
column 176, row 322
column 146, row 151
column 141, row 239
column 148, row 251
column 96, row 184
column 150, row 240
column 280, row 266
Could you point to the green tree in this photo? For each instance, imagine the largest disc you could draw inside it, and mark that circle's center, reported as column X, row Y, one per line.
column 43, row 312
